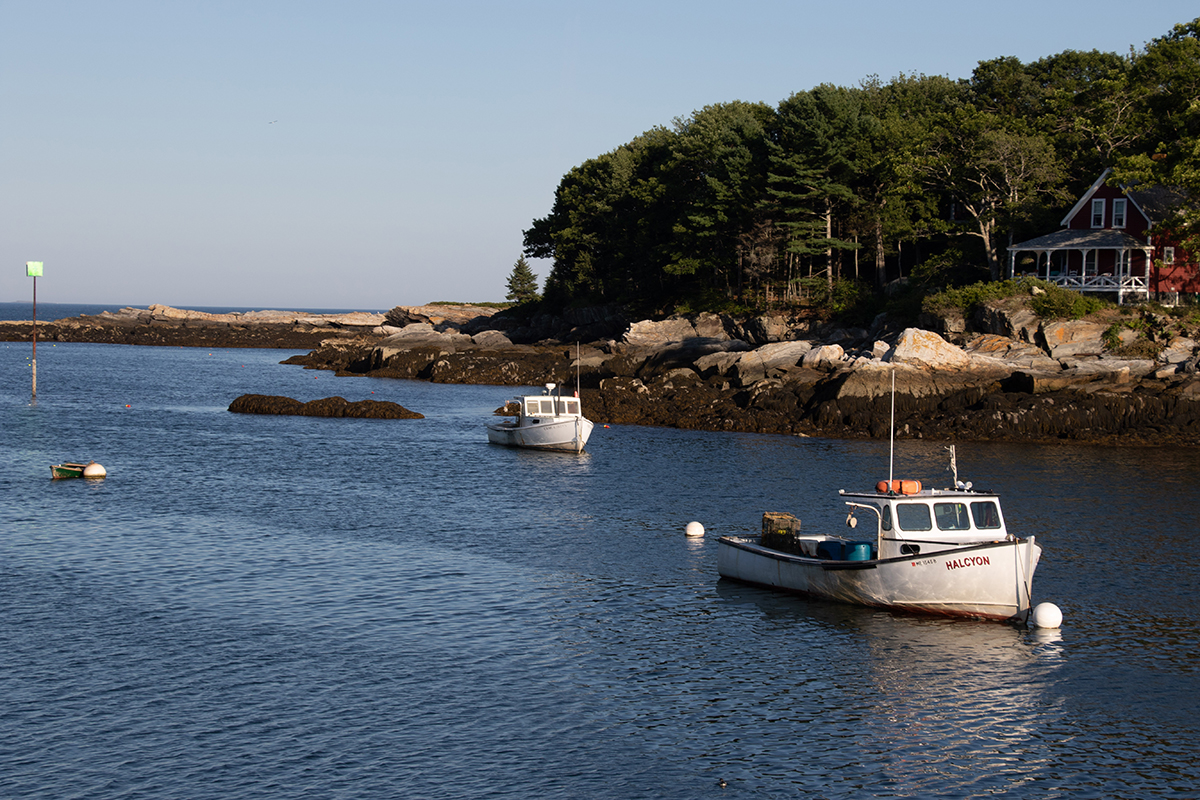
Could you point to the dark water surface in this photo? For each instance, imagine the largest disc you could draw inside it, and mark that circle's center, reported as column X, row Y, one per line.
column 277, row 607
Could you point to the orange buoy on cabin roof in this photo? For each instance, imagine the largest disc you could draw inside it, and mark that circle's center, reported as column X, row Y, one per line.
column 898, row 487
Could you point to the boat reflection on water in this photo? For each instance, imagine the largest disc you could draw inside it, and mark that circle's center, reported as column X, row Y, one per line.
column 917, row 695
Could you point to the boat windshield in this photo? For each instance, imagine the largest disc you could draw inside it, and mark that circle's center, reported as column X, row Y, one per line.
column 551, row 406
column 951, row 516
column 913, row 516
column 986, row 515
column 947, row 515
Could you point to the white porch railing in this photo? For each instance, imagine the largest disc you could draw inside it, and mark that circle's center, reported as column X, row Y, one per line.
column 1126, row 285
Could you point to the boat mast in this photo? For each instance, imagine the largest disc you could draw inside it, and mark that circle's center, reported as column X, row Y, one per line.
column 892, row 440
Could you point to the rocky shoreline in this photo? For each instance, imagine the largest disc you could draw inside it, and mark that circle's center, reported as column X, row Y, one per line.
column 161, row 325
column 1013, row 379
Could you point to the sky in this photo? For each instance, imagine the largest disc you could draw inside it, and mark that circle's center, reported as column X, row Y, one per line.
column 364, row 155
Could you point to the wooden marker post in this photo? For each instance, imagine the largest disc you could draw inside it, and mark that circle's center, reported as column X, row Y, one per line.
column 34, row 270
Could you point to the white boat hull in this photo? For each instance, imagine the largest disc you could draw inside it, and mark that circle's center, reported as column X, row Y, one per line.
column 989, row 581
column 570, row 434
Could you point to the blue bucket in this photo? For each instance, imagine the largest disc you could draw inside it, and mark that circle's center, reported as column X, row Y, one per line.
column 858, row 551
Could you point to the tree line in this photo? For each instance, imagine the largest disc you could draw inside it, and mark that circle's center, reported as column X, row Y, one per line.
column 756, row 204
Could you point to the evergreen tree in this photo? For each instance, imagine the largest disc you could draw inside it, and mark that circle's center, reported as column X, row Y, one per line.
column 1167, row 76
column 740, row 199
column 522, row 283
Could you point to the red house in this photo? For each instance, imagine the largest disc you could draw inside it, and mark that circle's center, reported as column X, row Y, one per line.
column 1112, row 241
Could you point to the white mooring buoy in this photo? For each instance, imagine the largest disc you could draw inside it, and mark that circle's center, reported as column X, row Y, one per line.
column 695, row 529
column 94, row 470
column 1047, row 615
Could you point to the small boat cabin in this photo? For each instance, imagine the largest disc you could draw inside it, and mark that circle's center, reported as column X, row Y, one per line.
column 911, row 518
column 549, row 405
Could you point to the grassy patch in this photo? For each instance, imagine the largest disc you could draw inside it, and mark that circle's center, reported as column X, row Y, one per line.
column 481, row 305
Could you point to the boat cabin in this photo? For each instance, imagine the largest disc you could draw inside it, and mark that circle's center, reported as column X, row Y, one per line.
column 546, row 404
column 909, row 522
column 549, row 406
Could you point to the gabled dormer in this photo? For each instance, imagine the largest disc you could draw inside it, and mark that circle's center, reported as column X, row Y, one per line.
column 1104, row 207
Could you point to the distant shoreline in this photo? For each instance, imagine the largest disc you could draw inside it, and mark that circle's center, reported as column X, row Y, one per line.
column 22, row 311
column 165, row 326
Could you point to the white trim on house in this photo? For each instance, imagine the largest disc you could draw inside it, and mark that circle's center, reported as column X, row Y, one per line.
column 1079, row 206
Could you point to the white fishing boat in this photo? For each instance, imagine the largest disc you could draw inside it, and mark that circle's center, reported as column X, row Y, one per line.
column 546, row 421
column 936, row 551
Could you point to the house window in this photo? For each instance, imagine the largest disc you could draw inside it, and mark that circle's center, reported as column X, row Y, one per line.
column 1097, row 213
column 1089, row 262
column 1168, row 255
column 1118, row 213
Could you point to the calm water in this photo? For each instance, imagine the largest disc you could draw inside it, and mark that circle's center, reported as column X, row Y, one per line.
column 259, row 607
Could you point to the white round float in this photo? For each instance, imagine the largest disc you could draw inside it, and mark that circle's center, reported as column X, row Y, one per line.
column 1047, row 615
column 94, row 470
column 694, row 529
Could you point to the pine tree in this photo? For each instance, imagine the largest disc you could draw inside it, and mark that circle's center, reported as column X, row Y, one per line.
column 522, row 283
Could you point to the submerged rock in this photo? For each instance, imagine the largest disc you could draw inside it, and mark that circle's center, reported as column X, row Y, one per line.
column 326, row 407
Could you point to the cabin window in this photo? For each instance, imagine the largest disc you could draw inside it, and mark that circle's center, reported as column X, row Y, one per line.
column 951, row 516
column 1168, row 255
column 986, row 515
column 1118, row 213
column 572, row 406
column 913, row 517
column 887, row 518
column 1097, row 213
column 543, row 407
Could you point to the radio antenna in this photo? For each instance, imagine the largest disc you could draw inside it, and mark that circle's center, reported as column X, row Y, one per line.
column 892, row 442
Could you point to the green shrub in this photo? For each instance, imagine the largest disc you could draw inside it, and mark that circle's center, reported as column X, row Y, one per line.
column 1060, row 303
column 965, row 298
column 852, row 301
column 1051, row 302
column 951, row 267
column 1139, row 348
column 714, row 300
column 1112, row 336
column 487, row 304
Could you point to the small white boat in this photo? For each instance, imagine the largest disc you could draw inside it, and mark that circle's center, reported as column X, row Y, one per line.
column 936, row 551
column 547, row 421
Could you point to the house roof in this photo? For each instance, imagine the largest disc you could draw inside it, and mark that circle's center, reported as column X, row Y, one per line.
column 1085, row 198
column 1073, row 239
column 1154, row 202
column 1157, row 201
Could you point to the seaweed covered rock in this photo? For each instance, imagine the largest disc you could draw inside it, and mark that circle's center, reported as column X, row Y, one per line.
column 326, row 407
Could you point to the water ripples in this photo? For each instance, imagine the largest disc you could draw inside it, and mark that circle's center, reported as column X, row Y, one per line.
column 266, row 608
